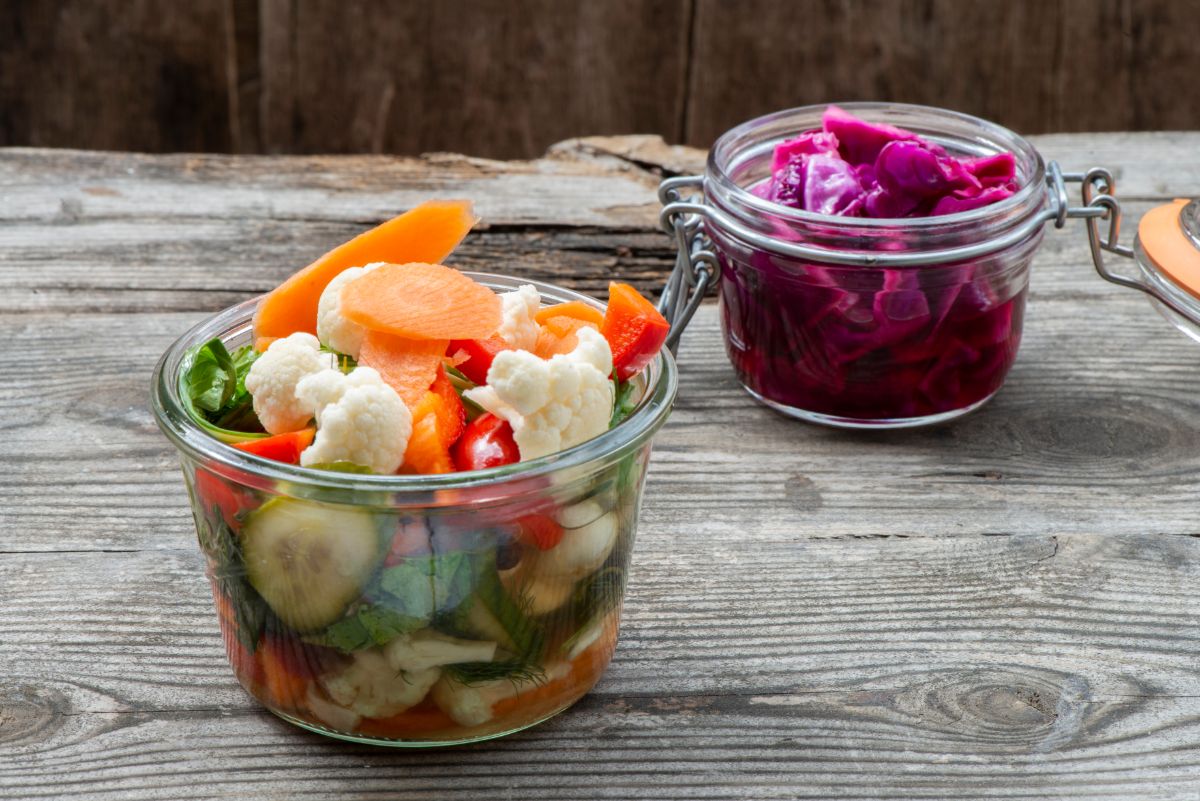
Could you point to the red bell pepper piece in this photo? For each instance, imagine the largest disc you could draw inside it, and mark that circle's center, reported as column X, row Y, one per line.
column 212, row 490
column 634, row 329
column 280, row 447
column 542, row 530
column 480, row 353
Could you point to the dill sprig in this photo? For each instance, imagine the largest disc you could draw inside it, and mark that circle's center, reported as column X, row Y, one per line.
column 515, row 670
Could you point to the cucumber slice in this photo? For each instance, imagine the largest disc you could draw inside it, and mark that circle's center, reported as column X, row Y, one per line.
column 307, row 560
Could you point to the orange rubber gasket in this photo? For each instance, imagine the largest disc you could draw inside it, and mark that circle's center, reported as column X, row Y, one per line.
column 1163, row 240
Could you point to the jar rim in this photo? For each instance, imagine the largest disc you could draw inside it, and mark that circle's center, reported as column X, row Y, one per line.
column 719, row 157
column 187, row 436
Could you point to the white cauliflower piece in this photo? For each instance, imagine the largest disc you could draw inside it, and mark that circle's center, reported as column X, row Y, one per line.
column 334, row 330
column 518, row 326
column 273, row 378
column 428, row 648
column 551, row 404
column 371, row 687
column 360, row 419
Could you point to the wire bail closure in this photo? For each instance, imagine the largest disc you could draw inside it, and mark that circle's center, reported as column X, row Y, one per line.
column 696, row 266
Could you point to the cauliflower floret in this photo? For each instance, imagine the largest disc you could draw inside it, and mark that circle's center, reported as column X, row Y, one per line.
column 428, row 648
column 551, row 405
column 273, row 378
column 360, row 419
column 334, row 330
column 371, row 687
column 518, row 326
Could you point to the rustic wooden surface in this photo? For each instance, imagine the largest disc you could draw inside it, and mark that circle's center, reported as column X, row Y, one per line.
column 506, row 78
column 1006, row 607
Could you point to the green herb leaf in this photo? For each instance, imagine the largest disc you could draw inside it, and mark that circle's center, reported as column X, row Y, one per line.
column 343, row 467
column 405, row 598
column 461, row 384
column 516, row 670
column 624, row 400
column 345, row 363
column 370, row 625
column 229, row 574
column 212, row 377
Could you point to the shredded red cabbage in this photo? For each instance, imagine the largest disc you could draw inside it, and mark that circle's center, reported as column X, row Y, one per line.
column 855, row 168
column 875, row 343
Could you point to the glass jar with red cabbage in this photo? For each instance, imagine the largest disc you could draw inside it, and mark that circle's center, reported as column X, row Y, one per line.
column 882, row 320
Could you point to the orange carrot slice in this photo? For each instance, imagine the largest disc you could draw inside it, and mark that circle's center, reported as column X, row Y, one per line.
column 574, row 308
column 421, row 301
column 427, row 233
column 428, row 451
column 453, row 415
column 406, row 365
column 558, row 335
column 424, row 718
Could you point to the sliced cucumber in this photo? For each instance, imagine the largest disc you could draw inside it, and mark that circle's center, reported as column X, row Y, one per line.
column 309, row 561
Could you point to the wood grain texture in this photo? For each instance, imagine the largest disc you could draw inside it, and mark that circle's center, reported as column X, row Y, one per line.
column 117, row 74
column 1052, row 662
column 1065, row 65
column 488, row 77
column 506, row 78
column 1003, row 608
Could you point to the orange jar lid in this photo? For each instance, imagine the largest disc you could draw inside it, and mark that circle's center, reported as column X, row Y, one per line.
column 1170, row 238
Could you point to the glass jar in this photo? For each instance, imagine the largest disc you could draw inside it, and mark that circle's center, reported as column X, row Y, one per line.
column 415, row 610
column 870, row 323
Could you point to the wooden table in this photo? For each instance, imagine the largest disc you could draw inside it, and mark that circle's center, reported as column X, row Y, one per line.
column 1005, row 607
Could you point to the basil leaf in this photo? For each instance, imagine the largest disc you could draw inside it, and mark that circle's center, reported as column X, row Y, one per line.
column 371, row 624
column 212, row 378
column 405, row 598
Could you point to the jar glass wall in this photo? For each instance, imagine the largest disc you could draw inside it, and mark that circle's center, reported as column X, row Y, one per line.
column 416, row 610
column 873, row 345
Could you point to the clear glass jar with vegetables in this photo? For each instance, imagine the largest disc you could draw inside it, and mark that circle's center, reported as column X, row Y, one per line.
column 417, row 489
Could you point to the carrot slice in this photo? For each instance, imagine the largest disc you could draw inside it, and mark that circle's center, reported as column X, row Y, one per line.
column 424, row 718
column 574, row 308
column 453, row 415
column 427, row 450
column 421, row 301
column 408, row 366
column 282, row 688
column 427, row 233
column 585, row 671
column 558, row 335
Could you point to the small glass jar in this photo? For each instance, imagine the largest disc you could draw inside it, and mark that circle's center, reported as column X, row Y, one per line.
column 871, row 323
column 415, row 610
column 1167, row 254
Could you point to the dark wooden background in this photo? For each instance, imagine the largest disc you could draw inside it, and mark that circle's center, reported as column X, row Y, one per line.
column 506, row 78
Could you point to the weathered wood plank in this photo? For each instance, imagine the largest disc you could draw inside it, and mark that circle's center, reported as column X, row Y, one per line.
column 874, row 669
column 118, row 233
column 493, row 78
column 1096, row 431
column 864, row 639
column 1067, row 65
column 115, row 74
